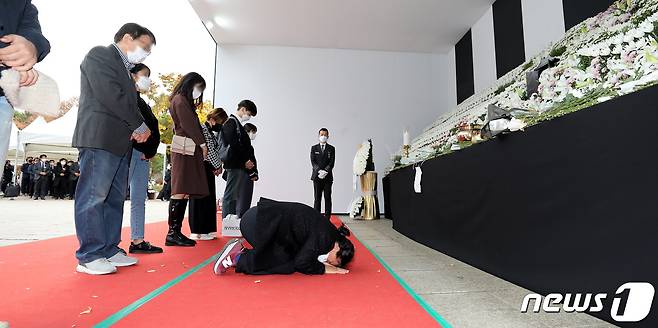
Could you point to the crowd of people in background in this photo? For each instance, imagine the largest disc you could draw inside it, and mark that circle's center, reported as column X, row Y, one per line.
column 40, row 178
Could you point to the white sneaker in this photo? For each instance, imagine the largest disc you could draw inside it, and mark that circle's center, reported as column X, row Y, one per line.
column 121, row 260
column 97, row 267
column 206, row 236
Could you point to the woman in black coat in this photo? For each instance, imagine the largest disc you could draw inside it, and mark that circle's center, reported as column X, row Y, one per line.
column 287, row 238
column 60, row 181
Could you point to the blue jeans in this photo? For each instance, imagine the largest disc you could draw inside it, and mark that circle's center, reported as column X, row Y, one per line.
column 139, row 180
column 99, row 199
column 234, row 177
column 6, row 116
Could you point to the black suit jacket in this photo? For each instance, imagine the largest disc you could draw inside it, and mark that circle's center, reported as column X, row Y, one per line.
column 323, row 161
column 108, row 113
column 42, row 167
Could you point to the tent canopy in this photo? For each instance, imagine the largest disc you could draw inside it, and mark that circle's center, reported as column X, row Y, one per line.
column 50, row 138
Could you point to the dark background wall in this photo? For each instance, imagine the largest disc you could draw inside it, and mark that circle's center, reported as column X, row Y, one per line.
column 576, row 11
column 464, row 67
column 508, row 32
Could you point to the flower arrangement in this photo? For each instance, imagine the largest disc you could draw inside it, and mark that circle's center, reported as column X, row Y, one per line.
column 611, row 54
column 356, row 207
column 363, row 160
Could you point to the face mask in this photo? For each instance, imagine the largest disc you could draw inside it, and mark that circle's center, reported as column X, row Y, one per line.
column 143, row 83
column 252, row 136
column 63, row 163
column 323, row 258
column 323, row 139
column 245, row 118
column 137, row 56
column 44, row 160
column 216, row 128
column 196, row 93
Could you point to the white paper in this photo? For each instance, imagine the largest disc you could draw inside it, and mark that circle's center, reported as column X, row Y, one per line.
column 417, row 180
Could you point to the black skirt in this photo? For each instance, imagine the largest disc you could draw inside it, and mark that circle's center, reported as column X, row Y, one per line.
column 203, row 211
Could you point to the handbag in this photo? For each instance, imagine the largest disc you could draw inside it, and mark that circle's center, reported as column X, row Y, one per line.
column 182, row 145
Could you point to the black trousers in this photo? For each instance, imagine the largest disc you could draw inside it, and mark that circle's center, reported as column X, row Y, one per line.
column 41, row 187
column 72, row 185
column 25, row 184
column 203, row 211
column 323, row 187
column 245, row 195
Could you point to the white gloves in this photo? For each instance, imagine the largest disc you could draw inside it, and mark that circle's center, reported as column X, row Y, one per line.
column 322, row 174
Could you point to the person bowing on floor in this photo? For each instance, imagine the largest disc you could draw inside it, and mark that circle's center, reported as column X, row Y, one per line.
column 286, row 238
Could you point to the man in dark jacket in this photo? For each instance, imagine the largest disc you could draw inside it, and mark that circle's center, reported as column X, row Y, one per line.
column 323, row 158
column 42, row 171
column 26, row 176
column 74, row 170
column 108, row 122
column 21, row 46
column 238, row 160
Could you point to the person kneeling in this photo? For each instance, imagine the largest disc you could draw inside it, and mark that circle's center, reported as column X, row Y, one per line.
column 286, row 238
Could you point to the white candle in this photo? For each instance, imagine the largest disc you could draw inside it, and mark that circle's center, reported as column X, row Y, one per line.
column 405, row 138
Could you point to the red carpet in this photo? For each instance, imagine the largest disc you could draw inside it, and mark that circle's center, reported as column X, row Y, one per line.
column 39, row 287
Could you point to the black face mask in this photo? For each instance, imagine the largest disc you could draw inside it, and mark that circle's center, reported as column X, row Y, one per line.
column 216, row 127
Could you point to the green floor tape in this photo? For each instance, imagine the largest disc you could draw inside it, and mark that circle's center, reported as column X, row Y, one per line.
column 409, row 290
column 109, row 321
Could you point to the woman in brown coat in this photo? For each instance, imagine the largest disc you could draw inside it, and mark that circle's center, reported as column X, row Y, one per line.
column 188, row 175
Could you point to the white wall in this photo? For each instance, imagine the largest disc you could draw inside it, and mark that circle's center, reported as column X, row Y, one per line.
column 484, row 52
column 355, row 94
column 543, row 23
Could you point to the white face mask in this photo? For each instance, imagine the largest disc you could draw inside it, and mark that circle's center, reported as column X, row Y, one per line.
column 137, row 56
column 245, row 118
column 196, row 93
column 323, row 139
column 44, row 160
column 63, row 163
column 323, row 258
column 252, row 136
column 143, row 83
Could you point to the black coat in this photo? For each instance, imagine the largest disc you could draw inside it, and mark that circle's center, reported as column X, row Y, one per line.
column 150, row 147
column 323, row 161
column 289, row 238
column 239, row 141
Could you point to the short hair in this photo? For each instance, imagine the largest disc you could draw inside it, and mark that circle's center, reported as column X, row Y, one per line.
column 218, row 114
column 139, row 67
column 250, row 128
column 134, row 30
column 43, row 156
column 249, row 106
column 323, row 129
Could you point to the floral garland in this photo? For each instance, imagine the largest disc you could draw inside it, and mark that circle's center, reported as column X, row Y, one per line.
column 611, row 54
column 361, row 159
column 357, row 205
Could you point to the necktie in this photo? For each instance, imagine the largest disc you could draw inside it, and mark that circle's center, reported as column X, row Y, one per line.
column 322, row 146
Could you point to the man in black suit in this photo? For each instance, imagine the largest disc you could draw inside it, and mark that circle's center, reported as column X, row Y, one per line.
column 323, row 158
column 26, row 176
column 42, row 171
column 108, row 122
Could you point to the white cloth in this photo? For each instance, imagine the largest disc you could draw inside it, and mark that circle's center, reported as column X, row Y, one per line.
column 322, row 174
column 417, row 180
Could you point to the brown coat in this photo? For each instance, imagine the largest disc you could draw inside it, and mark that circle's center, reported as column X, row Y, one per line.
column 188, row 175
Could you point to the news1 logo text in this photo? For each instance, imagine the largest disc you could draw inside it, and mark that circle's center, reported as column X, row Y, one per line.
column 631, row 303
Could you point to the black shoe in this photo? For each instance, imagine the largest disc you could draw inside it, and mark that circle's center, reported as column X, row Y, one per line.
column 144, row 248
column 178, row 239
column 43, row 198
